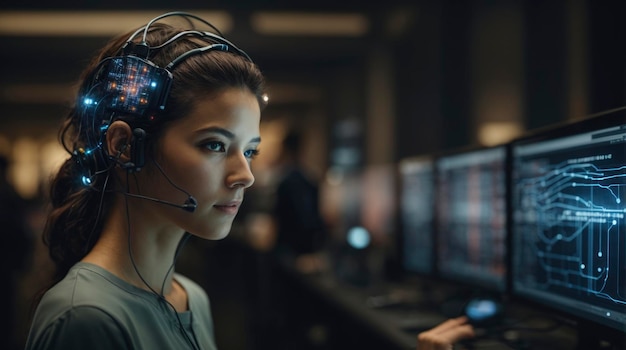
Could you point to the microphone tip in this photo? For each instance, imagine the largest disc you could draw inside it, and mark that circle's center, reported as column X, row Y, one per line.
column 190, row 204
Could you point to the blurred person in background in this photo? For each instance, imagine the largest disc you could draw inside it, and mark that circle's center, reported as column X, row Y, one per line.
column 301, row 231
column 16, row 243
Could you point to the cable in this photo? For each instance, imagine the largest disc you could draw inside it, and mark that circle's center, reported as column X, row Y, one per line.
column 176, row 13
column 185, row 15
column 176, row 37
column 182, row 242
column 168, row 178
column 201, row 34
column 160, row 296
column 95, row 224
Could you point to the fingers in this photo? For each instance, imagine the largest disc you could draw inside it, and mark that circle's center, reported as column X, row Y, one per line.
column 443, row 336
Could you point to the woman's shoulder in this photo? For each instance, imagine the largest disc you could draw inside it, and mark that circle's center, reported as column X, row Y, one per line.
column 88, row 287
column 92, row 302
column 75, row 328
column 89, row 284
column 84, row 305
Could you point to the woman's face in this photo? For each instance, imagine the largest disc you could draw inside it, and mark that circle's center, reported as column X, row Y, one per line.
column 207, row 154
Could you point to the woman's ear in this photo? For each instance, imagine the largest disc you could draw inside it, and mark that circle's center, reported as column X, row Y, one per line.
column 118, row 137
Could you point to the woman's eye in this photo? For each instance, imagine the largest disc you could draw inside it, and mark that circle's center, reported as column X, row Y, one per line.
column 214, row 146
column 251, row 153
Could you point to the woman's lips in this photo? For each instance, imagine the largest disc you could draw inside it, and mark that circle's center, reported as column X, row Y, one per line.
column 230, row 208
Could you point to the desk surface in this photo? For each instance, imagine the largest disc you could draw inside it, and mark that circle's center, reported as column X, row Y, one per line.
column 400, row 323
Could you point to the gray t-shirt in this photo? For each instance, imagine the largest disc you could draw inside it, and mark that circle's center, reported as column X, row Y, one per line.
column 93, row 309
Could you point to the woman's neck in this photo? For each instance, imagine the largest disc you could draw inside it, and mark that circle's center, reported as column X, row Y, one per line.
column 148, row 263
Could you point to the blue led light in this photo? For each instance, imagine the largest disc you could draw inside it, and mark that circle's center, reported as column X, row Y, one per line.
column 358, row 237
column 88, row 101
column 86, row 180
column 481, row 309
column 153, row 84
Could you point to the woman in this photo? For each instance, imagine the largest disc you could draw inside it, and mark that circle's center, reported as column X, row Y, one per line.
column 161, row 139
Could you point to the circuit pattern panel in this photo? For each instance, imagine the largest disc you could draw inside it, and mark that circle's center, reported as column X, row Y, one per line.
column 570, row 229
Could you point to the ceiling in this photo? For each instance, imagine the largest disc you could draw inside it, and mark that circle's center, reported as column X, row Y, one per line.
column 39, row 69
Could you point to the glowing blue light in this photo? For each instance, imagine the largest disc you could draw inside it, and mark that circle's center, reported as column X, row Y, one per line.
column 358, row 237
column 481, row 309
column 88, row 101
column 153, row 84
column 86, row 180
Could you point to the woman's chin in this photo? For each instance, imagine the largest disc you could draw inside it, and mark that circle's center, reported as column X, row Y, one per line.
column 214, row 234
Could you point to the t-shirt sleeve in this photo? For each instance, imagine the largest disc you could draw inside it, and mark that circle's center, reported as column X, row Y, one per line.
column 83, row 328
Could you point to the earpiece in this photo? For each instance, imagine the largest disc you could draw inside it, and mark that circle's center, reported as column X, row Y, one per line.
column 85, row 161
column 122, row 149
column 137, row 151
column 139, row 148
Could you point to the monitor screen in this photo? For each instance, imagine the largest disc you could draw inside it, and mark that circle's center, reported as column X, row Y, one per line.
column 568, row 231
column 417, row 215
column 471, row 217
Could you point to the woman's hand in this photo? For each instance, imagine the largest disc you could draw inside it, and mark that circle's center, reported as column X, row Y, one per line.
column 443, row 336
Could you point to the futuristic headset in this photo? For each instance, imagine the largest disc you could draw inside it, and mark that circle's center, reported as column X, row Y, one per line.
column 130, row 84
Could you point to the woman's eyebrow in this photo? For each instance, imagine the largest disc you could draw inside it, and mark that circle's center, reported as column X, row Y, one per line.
column 218, row 130
column 225, row 132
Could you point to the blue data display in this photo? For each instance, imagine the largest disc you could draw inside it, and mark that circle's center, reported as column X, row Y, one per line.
column 569, row 233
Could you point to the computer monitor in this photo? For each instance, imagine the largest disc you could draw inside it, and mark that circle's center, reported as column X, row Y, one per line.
column 568, row 229
column 471, row 218
column 416, row 200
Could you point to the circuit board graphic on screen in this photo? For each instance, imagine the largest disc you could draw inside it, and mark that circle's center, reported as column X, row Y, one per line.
column 569, row 228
